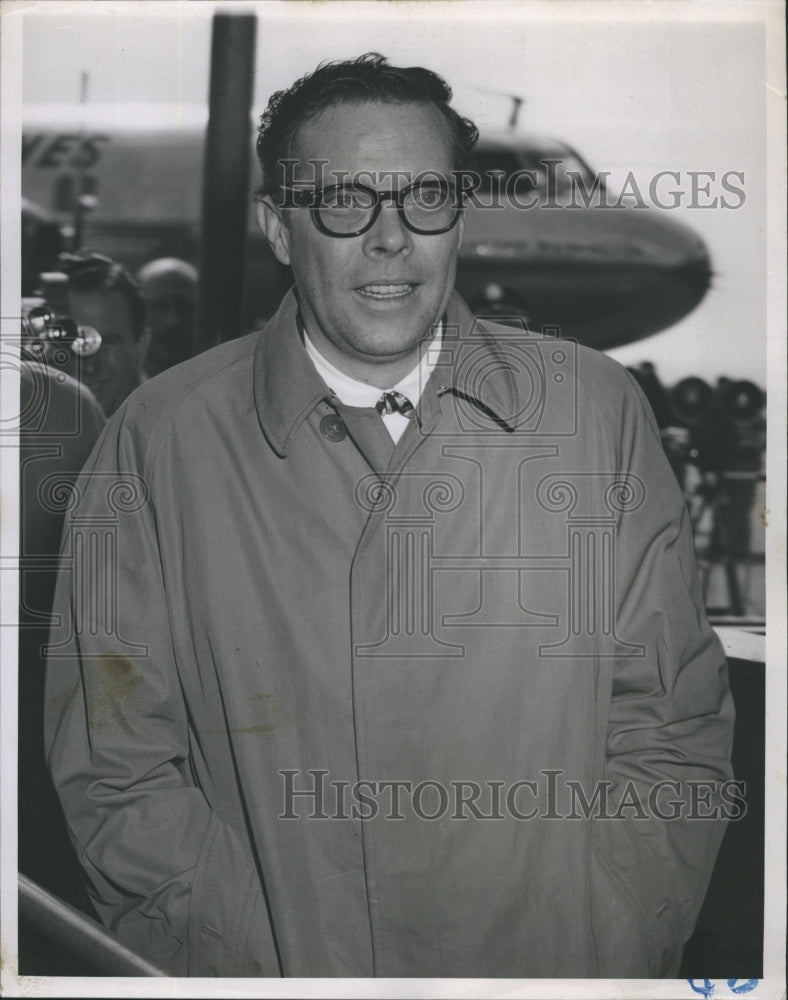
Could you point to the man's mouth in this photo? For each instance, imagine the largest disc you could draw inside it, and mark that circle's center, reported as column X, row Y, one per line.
column 385, row 291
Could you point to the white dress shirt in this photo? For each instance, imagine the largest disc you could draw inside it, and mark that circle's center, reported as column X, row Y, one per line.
column 352, row 392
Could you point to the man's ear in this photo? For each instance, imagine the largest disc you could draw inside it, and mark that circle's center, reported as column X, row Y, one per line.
column 274, row 229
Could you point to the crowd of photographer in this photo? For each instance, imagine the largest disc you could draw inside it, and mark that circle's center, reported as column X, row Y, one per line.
column 87, row 316
column 715, row 440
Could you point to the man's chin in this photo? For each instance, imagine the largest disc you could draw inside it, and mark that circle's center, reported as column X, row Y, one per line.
column 387, row 345
column 393, row 337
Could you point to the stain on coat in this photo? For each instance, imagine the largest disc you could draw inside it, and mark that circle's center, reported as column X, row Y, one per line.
column 117, row 678
column 274, row 717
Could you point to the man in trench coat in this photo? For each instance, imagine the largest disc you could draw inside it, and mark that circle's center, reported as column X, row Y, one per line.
column 381, row 646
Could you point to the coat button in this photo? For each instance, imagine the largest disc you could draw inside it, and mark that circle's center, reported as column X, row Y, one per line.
column 333, row 427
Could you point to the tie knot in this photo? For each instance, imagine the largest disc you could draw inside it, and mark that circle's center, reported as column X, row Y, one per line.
column 394, row 402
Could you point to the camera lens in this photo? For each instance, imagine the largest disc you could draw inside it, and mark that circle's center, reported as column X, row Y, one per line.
column 87, row 342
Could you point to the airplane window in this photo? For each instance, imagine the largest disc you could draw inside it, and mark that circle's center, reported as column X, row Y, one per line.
column 565, row 172
column 495, row 160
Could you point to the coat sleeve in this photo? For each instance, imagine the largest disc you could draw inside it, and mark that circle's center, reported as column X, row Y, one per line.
column 670, row 721
column 117, row 734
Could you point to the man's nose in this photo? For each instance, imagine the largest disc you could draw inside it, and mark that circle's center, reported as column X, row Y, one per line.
column 389, row 235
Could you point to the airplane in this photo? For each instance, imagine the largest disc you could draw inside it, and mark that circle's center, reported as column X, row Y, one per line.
column 126, row 180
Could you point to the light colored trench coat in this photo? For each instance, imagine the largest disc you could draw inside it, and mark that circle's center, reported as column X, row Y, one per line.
column 247, row 613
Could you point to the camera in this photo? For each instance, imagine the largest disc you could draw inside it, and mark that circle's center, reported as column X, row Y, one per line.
column 49, row 334
column 52, row 349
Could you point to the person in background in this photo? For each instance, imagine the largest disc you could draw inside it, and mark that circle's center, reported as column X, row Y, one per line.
column 169, row 287
column 103, row 295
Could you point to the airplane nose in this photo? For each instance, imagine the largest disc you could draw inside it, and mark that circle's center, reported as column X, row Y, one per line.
column 640, row 236
column 602, row 275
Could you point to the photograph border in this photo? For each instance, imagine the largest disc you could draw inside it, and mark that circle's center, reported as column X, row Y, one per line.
column 771, row 16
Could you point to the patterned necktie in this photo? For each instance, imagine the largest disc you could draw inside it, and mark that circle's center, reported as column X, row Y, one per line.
column 394, row 402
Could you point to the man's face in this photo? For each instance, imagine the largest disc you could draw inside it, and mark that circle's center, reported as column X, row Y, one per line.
column 372, row 297
column 115, row 369
column 171, row 310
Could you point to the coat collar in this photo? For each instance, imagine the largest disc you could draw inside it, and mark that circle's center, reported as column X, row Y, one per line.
column 471, row 366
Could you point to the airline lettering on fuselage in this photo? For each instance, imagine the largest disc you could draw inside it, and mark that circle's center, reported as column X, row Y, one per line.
column 65, row 150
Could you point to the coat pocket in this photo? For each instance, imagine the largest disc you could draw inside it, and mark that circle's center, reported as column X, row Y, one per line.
column 229, row 930
column 636, row 921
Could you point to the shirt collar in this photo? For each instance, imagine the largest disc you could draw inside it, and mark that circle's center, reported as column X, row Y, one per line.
column 353, row 392
column 470, row 363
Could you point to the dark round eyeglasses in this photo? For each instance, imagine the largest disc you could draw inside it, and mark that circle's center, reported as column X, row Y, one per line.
column 345, row 210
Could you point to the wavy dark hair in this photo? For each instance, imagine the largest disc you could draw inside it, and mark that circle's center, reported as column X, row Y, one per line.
column 369, row 78
column 93, row 272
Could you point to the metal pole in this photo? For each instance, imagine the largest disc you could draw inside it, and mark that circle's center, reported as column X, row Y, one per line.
column 225, row 204
column 82, row 936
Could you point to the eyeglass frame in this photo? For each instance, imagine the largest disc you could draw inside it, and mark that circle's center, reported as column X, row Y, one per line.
column 314, row 193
